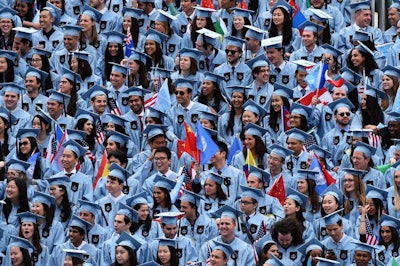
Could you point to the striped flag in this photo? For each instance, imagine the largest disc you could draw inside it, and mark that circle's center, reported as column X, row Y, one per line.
column 285, row 117
column 103, row 169
column 128, row 43
column 114, row 109
column 371, row 238
column 151, row 101
column 99, row 132
column 363, row 83
column 374, row 139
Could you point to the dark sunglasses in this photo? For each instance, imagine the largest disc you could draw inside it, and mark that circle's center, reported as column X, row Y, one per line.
column 24, row 143
column 181, row 93
column 232, row 52
column 344, row 114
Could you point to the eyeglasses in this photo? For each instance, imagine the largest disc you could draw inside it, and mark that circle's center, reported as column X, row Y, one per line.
column 181, row 93
column 344, row 114
column 24, row 143
column 246, row 202
column 159, row 158
column 232, row 52
column 274, row 159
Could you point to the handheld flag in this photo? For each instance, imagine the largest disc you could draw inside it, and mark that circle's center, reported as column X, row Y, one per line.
column 298, row 17
column 249, row 162
column 371, row 237
column 56, row 164
column 190, row 143
column 32, row 160
column 324, row 178
column 278, row 190
column 128, row 43
column 205, row 144
column 177, row 191
column 103, row 169
column 235, row 148
column 316, row 76
column 163, row 100
column 285, row 117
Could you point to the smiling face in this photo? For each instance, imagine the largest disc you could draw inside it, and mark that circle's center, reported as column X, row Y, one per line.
column 164, row 254
column 329, row 204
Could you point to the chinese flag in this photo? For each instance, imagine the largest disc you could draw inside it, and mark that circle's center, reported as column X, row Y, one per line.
column 190, row 144
column 180, row 147
column 278, row 190
column 207, row 4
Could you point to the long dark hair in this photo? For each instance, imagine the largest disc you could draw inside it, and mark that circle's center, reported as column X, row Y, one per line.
column 72, row 105
column 287, row 28
column 273, row 116
column 168, row 202
column 132, row 256
column 369, row 62
column 157, row 58
column 23, row 199
column 231, row 120
column 260, row 149
column 217, row 97
column 174, row 257
column 90, row 139
column 373, row 114
column 134, row 30
column 84, row 68
column 194, row 34
column 243, row 31
column 9, row 75
column 395, row 239
column 26, row 256
column 143, row 76
column 146, row 223
column 47, row 84
column 115, row 59
column 4, row 146
column 37, row 172
column 49, row 215
column 65, row 207
column 220, row 192
column 35, row 237
column 313, row 195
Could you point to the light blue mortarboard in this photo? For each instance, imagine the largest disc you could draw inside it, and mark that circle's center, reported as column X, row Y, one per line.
column 332, row 218
column 156, row 36
column 16, row 241
column 163, row 182
column 343, row 102
column 117, row 120
column 360, row 132
column 41, row 52
column 297, row 134
column 11, row 55
column 184, row 83
column 166, row 242
column 169, row 218
column 18, row 165
column 374, row 92
column 118, row 137
column 209, row 116
column 322, row 153
column 24, row 33
column 82, row 55
column 307, row 174
column 28, row 217
column 255, row 108
column 114, row 37
column 190, row 52
column 7, row 12
column 334, row 191
column 302, row 65
column 251, row 193
column 163, row 72
column 75, row 147
column 27, row 132
column 278, row 262
column 360, row 246
column 139, row 56
column 260, row 174
column 136, row 91
column 153, row 130
column 119, row 68
column 329, row 49
column 94, row 91
column 387, row 220
column 233, row 41
column 54, row 11
column 283, row 91
column 150, row 263
column 283, row 4
column 76, row 134
column 88, row 206
column 132, row 12
column 254, row 130
column 368, row 150
column 361, row 36
column 363, row 48
column 165, row 16
column 78, row 222
column 71, row 75
column 215, row 177
column 297, row 196
column 254, row 32
column 191, row 197
column 373, row 192
column 92, row 13
column 59, row 179
column 208, row 36
column 395, row 4
column 355, row 172
column 153, row 112
column 58, row 96
column 139, row 198
column 76, row 253
column 118, row 172
column 272, row 43
column 238, row 88
column 212, row 77
column 228, row 211
column 280, row 151
column 259, row 61
column 240, row 12
column 320, row 15
column 11, row 87
column 43, row 198
column 203, row 12
column 299, row 109
column 357, row 6
column 326, row 262
column 71, row 30
column 312, row 244
column 227, row 249
column 35, row 72
column 311, row 26
column 350, row 75
column 128, row 240
column 392, row 71
column 130, row 213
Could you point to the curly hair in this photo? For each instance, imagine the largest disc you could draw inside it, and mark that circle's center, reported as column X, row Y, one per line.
column 288, row 225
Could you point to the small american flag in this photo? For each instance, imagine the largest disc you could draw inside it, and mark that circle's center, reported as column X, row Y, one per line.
column 371, row 238
column 113, row 104
column 128, row 43
column 54, row 145
column 363, row 84
column 99, row 132
column 261, row 231
column 374, row 139
column 151, row 101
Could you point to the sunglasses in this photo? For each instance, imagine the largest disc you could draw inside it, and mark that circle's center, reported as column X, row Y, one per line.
column 232, row 52
column 181, row 93
column 24, row 143
column 344, row 114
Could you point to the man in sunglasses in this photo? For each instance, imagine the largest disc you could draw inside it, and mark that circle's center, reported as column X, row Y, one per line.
column 234, row 71
column 338, row 139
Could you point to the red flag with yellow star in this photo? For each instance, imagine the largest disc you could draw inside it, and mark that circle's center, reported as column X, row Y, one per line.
column 278, row 190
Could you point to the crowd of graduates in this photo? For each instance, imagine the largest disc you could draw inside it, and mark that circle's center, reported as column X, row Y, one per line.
column 101, row 99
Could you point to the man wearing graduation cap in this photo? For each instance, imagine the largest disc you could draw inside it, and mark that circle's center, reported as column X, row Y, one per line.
column 97, row 99
column 110, row 19
column 148, row 18
column 390, row 34
column 56, row 107
column 23, row 43
column 48, row 37
column 295, row 141
column 185, row 247
column 244, row 253
column 34, row 81
column 331, row 12
column 117, row 98
column 233, row 70
column 364, row 254
column 18, row 117
column 208, row 43
column 362, row 21
column 253, row 39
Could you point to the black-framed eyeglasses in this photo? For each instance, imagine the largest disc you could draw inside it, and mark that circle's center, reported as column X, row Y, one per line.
column 344, row 114
column 232, row 52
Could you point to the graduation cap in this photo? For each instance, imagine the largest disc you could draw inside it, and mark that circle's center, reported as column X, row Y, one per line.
column 156, row 36
column 272, row 43
column 27, row 132
column 76, row 134
column 238, row 88
column 54, row 11
column 153, row 130
column 118, row 172
column 203, row 12
column 128, row 240
column 360, row 132
column 255, row 108
column 280, row 151
column 254, row 32
column 139, row 198
column 373, row 192
column 150, row 263
column 190, row 52
column 84, row 114
column 119, row 68
column 41, row 52
column 297, row 134
column 311, row 26
column 387, row 220
column 114, row 36
column 43, row 198
column 360, row 246
column 139, row 56
column 165, row 16
column 209, row 116
column 350, row 75
column 228, row 211
column 343, row 102
column 132, row 12
column 215, row 177
column 255, row 130
column 251, row 193
column 368, row 150
column 153, row 112
column 169, row 218
column 299, row 109
column 208, row 36
column 58, row 96
column 9, row 55
column 332, row 218
column 184, row 83
column 260, row 174
column 360, row 5
column 278, row 262
column 311, row 245
column 355, row 172
column 92, row 13
column 124, row 209
column 302, row 64
column 24, row 33
column 59, row 179
column 334, row 191
column 363, row 48
column 90, row 262
column 82, row 55
column 35, row 72
column 326, row 262
column 191, row 197
column 259, row 61
column 87, row 206
column 28, row 217
column 7, row 12
column 78, row 222
column 213, row 77
column 118, row 137
column 71, row 30
column 361, row 36
column 11, row 87
column 297, row 196
column 307, row 174
column 282, row 90
column 136, row 91
column 16, row 241
column 233, row 41
column 329, row 49
column 74, row 147
column 166, row 242
column 117, row 120
column 240, row 12
column 227, row 249
column 319, row 15
column 392, row 71
column 18, row 165
column 163, row 182
column 284, row 5
column 162, row 72
column 395, row 4
column 76, row 253
column 322, row 153
column 374, row 92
